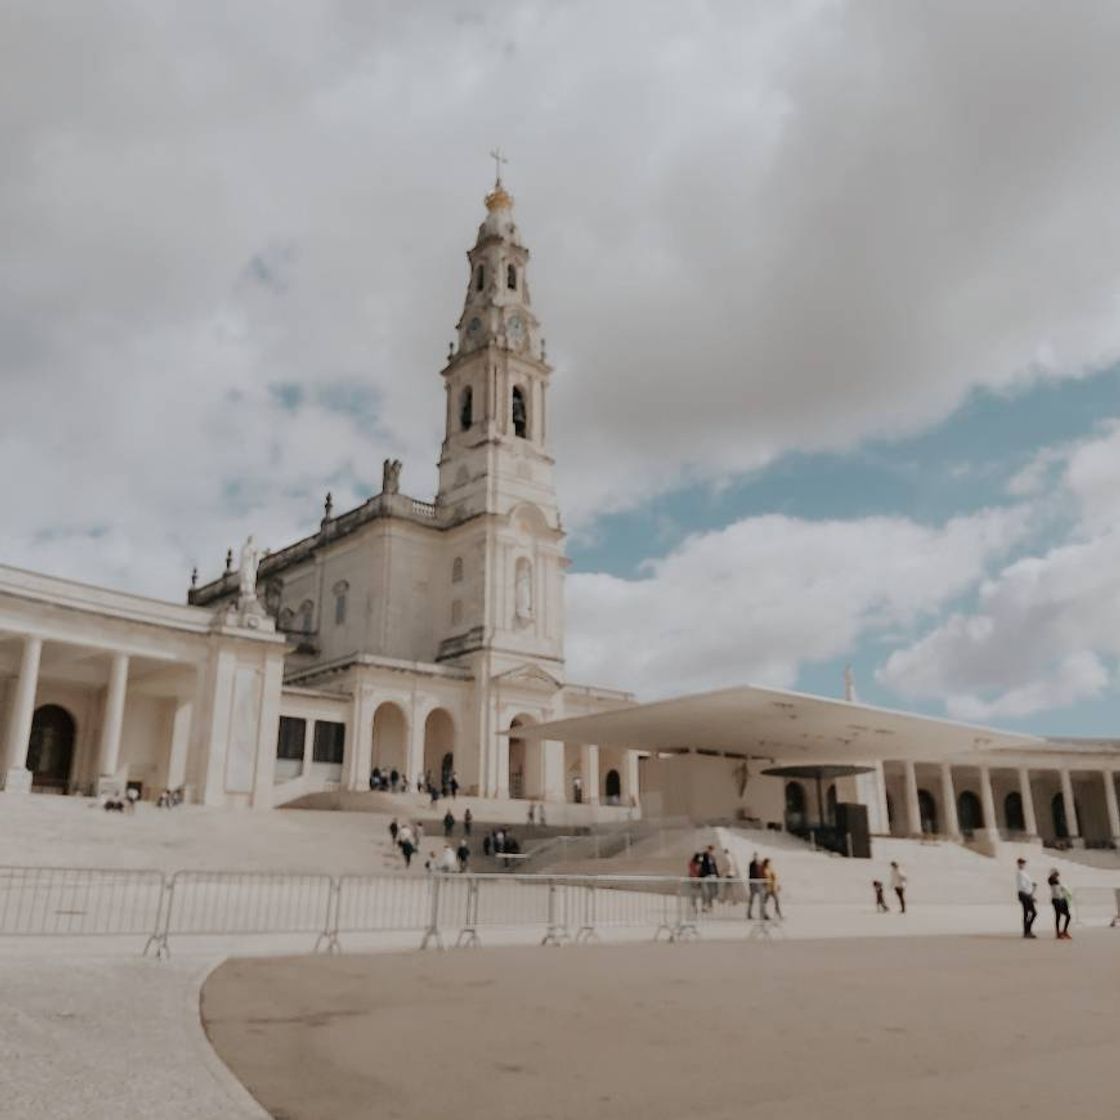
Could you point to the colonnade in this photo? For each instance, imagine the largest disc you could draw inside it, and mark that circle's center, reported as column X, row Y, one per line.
column 950, row 824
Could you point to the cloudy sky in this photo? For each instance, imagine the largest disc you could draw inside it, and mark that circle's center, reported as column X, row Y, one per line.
column 831, row 289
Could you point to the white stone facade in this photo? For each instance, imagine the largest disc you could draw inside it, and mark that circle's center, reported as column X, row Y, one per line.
column 409, row 635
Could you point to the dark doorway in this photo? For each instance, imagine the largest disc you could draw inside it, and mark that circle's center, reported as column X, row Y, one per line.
column 50, row 751
column 1058, row 812
column 1013, row 812
column 969, row 811
column 795, row 806
column 612, row 787
column 927, row 810
column 446, row 768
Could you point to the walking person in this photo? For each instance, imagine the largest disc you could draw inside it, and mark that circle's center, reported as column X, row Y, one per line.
column 463, row 853
column 454, row 784
column 1059, row 899
column 755, row 887
column 468, row 819
column 881, row 906
column 394, row 828
column 770, row 879
column 898, row 885
column 1025, row 889
column 448, row 823
column 709, row 875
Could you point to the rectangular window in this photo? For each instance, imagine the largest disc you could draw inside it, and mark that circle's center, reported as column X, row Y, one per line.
column 289, row 743
column 339, row 610
column 330, row 738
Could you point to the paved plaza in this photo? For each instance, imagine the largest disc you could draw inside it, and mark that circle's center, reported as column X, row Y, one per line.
column 922, row 1028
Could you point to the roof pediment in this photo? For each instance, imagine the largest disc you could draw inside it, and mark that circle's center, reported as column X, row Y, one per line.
column 528, row 676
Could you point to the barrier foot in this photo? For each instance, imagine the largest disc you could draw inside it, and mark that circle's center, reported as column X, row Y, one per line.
column 163, row 950
column 330, row 941
column 468, row 939
column 686, row 931
column 556, row 935
column 431, row 935
column 585, row 935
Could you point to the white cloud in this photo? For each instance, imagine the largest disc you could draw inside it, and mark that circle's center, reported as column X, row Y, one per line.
column 759, row 598
column 754, row 229
column 1045, row 631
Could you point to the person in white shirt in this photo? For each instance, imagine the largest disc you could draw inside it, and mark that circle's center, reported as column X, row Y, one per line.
column 448, row 861
column 898, row 885
column 1025, row 889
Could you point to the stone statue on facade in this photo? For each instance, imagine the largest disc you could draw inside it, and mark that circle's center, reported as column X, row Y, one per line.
column 247, row 574
column 523, row 593
column 391, row 476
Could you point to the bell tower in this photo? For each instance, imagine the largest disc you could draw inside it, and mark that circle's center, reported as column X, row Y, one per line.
column 495, row 451
column 496, row 496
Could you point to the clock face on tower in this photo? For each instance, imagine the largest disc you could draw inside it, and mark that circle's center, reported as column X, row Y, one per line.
column 515, row 331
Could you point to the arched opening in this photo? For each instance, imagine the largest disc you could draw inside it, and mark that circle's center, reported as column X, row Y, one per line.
column 466, row 408
column 927, row 811
column 479, row 278
column 795, row 806
column 519, row 413
column 306, row 616
column 511, row 277
column 612, row 788
column 439, row 746
column 1013, row 812
column 830, row 804
column 390, row 740
column 457, row 570
column 969, row 811
column 50, row 750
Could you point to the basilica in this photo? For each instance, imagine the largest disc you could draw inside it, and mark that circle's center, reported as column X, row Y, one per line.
column 404, row 635
column 426, row 639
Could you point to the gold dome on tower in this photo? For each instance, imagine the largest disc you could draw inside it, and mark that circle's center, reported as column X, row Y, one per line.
column 499, row 198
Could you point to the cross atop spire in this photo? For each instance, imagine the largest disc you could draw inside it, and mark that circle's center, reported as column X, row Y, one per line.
column 499, row 159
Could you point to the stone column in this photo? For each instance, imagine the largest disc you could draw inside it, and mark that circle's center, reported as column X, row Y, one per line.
column 1030, row 822
column 22, row 712
column 180, row 743
column 913, row 809
column 589, row 772
column 630, row 773
column 1110, row 805
column 988, row 801
column 880, row 777
column 949, row 818
column 416, row 726
column 113, row 719
column 1072, row 825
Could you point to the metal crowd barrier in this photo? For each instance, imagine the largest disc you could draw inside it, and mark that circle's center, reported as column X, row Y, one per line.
column 231, row 903
column 1096, row 905
column 79, row 902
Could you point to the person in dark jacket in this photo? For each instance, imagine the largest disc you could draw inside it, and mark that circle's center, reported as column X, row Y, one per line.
column 448, row 823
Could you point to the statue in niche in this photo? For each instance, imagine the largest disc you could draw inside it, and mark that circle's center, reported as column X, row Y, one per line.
column 247, row 575
column 523, row 592
column 391, row 476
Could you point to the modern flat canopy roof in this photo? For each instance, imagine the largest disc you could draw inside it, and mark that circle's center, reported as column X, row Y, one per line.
column 771, row 723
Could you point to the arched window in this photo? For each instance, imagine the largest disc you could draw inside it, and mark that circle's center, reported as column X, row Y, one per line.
column 456, row 612
column 479, row 278
column 340, row 590
column 511, row 277
column 466, row 408
column 969, row 811
column 1013, row 812
column 306, row 615
column 457, row 570
column 519, row 413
